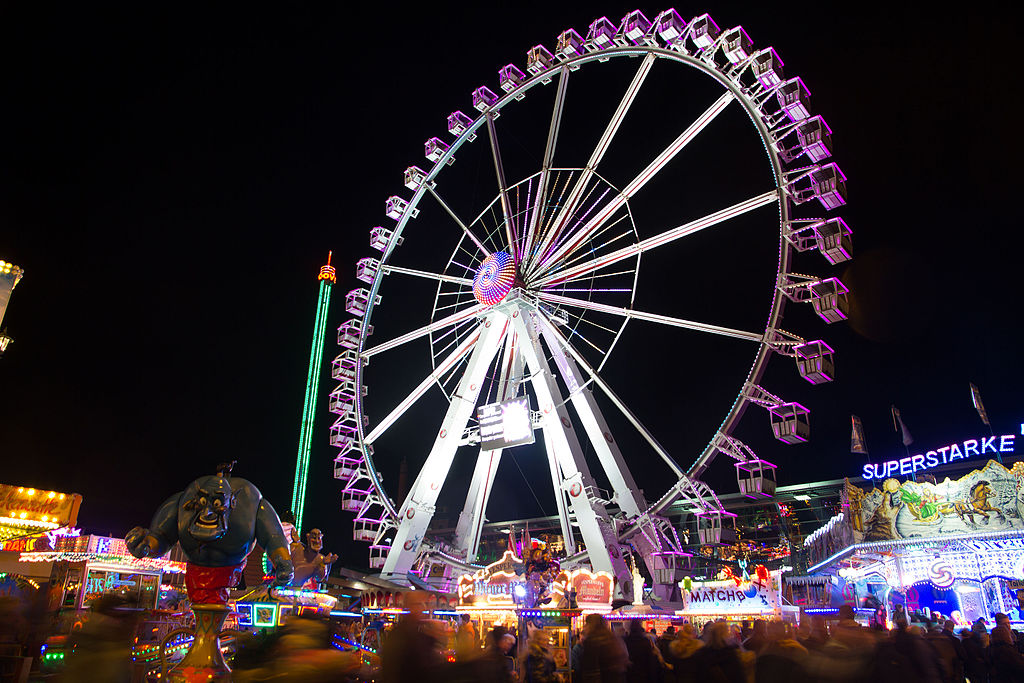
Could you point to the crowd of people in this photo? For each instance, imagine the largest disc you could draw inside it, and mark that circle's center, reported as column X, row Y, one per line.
column 844, row 651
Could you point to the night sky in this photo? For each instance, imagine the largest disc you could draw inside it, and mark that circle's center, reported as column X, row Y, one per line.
column 172, row 182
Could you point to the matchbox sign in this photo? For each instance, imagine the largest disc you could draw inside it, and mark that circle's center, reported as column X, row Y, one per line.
column 731, row 597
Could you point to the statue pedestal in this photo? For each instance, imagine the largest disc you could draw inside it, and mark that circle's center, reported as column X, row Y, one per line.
column 204, row 660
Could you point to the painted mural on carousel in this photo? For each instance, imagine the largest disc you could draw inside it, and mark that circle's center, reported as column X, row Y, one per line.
column 985, row 500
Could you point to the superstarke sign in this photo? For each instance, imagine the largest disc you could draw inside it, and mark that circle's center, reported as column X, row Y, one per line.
column 969, row 448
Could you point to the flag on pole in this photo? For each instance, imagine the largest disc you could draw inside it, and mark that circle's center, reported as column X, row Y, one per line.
column 978, row 405
column 858, row 444
column 897, row 424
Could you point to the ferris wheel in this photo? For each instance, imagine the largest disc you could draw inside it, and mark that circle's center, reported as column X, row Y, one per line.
column 538, row 287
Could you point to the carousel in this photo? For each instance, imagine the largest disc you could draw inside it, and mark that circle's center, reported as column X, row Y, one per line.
column 907, row 548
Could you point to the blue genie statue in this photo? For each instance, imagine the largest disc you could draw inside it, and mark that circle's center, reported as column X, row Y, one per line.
column 216, row 519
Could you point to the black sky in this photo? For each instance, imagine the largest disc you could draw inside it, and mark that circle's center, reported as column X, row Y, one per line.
column 172, row 181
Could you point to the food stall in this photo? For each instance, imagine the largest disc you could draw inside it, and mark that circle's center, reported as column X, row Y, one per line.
column 735, row 599
column 86, row 567
column 513, row 594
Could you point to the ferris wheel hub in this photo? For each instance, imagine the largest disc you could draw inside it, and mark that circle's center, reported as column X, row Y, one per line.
column 495, row 278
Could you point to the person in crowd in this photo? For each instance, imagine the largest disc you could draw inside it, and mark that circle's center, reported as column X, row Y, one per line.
column 465, row 640
column 603, row 658
column 1006, row 663
column 538, row 665
column 719, row 660
column 576, row 654
column 1018, row 637
column 976, row 652
column 817, row 636
column 410, row 653
column 492, row 664
column 101, row 649
column 644, row 663
column 680, row 655
column 664, row 640
column 758, row 637
column 782, row 659
column 959, row 662
column 948, row 659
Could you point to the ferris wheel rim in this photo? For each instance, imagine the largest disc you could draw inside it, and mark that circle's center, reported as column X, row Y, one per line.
column 764, row 352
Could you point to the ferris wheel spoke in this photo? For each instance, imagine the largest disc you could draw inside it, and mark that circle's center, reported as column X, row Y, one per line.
column 650, row 317
column 595, row 158
column 422, row 388
column 536, row 218
column 458, row 221
column 553, row 333
column 635, row 185
column 430, row 276
column 670, row 235
column 425, row 330
column 499, row 170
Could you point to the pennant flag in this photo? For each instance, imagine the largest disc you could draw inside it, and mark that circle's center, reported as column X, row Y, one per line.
column 897, row 423
column 858, row 444
column 978, row 405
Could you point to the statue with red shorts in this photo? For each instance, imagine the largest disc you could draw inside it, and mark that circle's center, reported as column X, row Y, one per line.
column 217, row 520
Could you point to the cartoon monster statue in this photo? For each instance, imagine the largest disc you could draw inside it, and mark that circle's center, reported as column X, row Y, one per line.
column 216, row 519
column 311, row 565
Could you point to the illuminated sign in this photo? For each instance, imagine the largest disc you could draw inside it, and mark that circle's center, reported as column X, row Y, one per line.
column 730, row 597
column 265, row 614
column 506, row 424
column 592, row 588
column 25, row 506
column 244, row 611
column 495, row 584
column 960, row 450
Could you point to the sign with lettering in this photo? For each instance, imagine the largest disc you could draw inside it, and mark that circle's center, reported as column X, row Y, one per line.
column 592, row 588
column 729, row 597
column 506, row 424
column 969, row 448
column 22, row 505
column 495, row 584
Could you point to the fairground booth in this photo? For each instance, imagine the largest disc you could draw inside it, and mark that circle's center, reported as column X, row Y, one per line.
column 736, row 599
column 916, row 548
column 29, row 519
column 525, row 597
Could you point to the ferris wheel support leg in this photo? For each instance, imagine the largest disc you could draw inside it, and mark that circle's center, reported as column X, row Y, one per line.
column 418, row 508
column 471, row 519
column 568, row 537
column 627, row 494
column 596, row 528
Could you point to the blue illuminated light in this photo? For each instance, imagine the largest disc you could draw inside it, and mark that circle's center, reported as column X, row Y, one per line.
column 960, row 450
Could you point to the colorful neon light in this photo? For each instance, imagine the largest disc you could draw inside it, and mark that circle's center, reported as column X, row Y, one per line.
column 316, row 354
column 996, row 445
column 495, row 278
